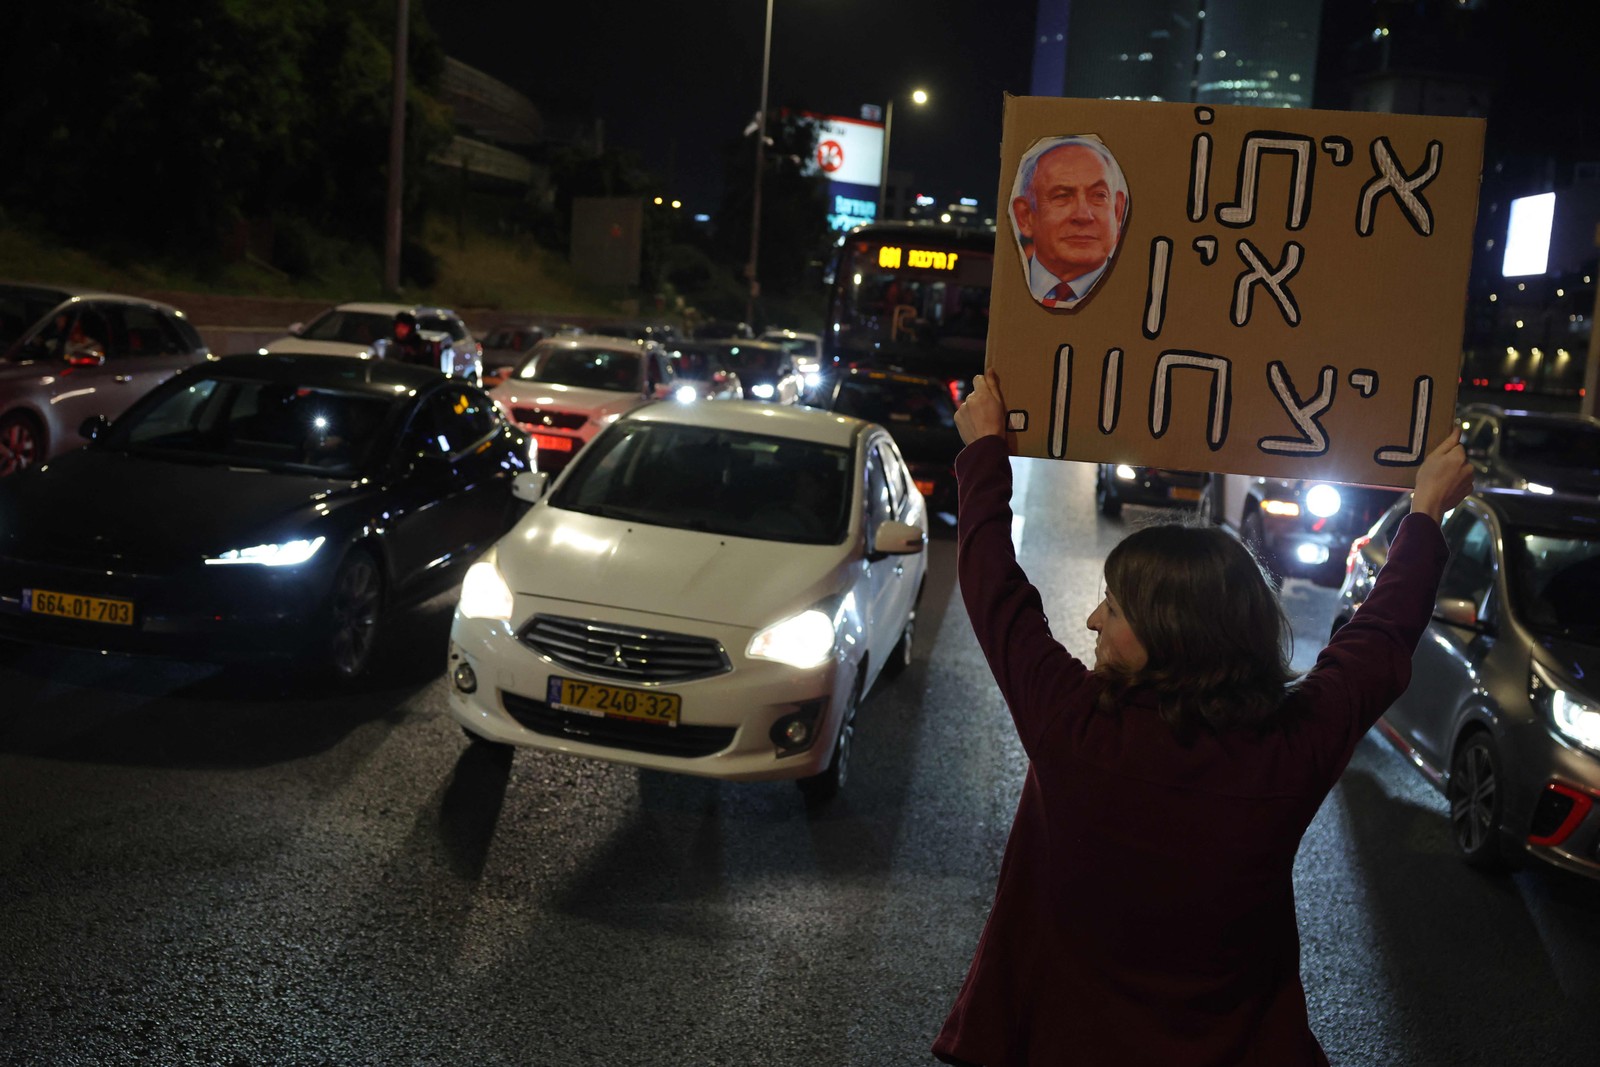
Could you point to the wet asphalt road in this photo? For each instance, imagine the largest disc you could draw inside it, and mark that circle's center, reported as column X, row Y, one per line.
column 200, row 868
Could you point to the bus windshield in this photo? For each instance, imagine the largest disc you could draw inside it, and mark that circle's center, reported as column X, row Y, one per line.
column 912, row 296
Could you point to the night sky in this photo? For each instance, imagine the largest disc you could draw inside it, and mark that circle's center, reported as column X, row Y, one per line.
column 674, row 82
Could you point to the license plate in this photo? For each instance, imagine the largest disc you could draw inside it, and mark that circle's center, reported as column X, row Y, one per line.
column 553, row 442
column 74, row 606
column 1181, row 492
column 614, row 701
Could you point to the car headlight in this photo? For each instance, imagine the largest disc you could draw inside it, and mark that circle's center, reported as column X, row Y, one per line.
column 484, row 593
column 687, row 394
column 1126, row 473
column 1323, row 501
column 803, row 640
column 762, row 391
column 1574, row 718
column 282, row 554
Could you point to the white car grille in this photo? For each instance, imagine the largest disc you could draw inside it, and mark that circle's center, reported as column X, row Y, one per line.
column 626, row 652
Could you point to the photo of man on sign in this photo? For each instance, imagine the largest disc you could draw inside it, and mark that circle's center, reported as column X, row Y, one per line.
column 1070, row 204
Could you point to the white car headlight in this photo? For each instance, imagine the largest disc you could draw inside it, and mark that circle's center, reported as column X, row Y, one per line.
column 803, row 640
column 1126, row 473
column 484, row 593
column 762, row 391
column 1323, row 500
column 1575, row 719
column 687, row 394
column 283, row 554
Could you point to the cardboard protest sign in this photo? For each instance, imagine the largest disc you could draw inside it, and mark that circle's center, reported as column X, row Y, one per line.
column 1247, row 290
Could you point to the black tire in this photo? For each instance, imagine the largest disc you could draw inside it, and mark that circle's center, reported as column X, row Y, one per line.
column 821, row 788
column 21, row 443
column 1477, row 802
column 1253, row 533
column 900, row 656
column 1105, row 497
column 353, row 614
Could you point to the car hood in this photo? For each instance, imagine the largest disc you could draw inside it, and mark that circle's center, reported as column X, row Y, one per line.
column 1562, row 479
column 566, row 555
column 97, row 507
column 598, row 403
column 292, row 345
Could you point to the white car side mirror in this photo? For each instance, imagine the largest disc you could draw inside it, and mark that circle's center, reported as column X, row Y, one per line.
column 529, row 486
column 898, row 539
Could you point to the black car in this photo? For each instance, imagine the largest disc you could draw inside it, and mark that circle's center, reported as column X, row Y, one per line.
column 259, row 505
column 764, row 370
column 1541, row 452
column 919, row 414
column 1117, row 484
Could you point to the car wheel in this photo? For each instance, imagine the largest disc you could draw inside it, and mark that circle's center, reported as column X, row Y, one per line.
column 1252, row 531
column 1105, row 498
column 1476, row 802
column 821, row 788
column 21, row 443
column 900, row 656
column 355, row 604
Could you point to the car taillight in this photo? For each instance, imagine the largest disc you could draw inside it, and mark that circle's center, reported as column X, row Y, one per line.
column 1355, row 553
column 955, row 391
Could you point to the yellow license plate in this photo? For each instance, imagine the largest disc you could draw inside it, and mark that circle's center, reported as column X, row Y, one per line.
column 614, row 701
column 74, row 606
column 1181, row 492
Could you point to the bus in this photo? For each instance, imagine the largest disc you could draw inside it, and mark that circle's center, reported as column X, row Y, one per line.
column 910, row 297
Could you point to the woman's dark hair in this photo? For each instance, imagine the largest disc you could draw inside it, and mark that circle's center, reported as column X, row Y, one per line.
column 1210, row 621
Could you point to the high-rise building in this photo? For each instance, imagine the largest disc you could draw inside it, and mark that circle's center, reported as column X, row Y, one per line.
column 1255, row 52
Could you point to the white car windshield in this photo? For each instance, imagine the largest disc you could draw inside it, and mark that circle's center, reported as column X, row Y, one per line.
column 586, row 368
column 720, row 481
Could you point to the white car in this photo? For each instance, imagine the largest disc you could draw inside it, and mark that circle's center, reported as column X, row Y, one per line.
column 710, row 589
column 365, row 330
column 806, row 349
column 569, row 388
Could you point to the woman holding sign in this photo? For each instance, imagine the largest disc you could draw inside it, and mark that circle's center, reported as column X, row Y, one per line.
column 1145, row 908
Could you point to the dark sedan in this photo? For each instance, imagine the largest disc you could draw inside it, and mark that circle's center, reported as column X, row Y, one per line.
column 1117, row 484
column 1503, row 713
column 920, row 416
column 259, row 505
column 766, row 371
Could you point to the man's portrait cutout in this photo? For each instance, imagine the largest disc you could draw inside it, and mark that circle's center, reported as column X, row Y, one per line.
column 1069, row 204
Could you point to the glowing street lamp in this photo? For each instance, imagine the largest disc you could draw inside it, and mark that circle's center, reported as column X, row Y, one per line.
column 918, row 97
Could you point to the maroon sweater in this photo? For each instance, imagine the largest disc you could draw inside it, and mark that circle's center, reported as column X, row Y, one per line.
column 1145, row 909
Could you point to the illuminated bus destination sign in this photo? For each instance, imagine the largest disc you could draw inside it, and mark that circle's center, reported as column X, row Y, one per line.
column 891, row 257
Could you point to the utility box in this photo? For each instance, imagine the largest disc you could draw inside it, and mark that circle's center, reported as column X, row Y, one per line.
column 607, row 232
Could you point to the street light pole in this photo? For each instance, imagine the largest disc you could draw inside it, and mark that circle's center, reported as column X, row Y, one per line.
column 761, row 163
column 883, row 170
column 397, row 152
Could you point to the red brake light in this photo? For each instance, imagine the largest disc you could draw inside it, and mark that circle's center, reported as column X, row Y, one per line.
column 955, row 390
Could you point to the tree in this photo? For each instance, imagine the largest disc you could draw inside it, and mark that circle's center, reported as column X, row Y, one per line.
column 794, row 216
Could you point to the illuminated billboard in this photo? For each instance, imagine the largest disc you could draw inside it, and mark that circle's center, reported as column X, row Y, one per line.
column 849, row 156
column 1528, row 236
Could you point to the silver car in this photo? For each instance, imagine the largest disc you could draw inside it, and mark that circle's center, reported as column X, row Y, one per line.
column 1503, row 710
column 91, row 354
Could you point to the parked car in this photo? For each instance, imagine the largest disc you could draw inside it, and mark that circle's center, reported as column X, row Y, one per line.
column 701, row 373
column 807, row 351
column 259, row 506
column 1116, row 484
column 920, row 416
column 1541, row 452
column 766, row 371
column 710, row 589
column 1503, row 715
column 367, row 330
column 1299, row 527
column 89, row 354
column 568, row 388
